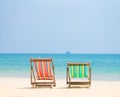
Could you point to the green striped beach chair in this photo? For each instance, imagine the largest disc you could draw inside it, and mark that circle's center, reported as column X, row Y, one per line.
column 42, row 72
column 78, row 74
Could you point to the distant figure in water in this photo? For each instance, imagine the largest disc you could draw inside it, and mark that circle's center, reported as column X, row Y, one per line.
column 67, row 52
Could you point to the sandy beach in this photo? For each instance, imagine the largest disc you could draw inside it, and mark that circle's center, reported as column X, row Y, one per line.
column 20, row 87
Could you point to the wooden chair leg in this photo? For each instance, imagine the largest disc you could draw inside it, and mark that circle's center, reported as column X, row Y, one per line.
column 54, row 85
column 69, row 86
column 33, row 85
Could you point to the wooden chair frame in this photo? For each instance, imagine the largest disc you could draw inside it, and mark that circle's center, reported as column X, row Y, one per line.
column 34, row 82
column 68, row 79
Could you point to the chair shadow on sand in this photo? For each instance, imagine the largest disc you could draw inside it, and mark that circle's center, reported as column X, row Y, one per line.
column 49, row 87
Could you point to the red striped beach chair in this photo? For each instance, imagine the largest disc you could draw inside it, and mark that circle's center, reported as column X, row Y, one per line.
column 42, row 72
column 78, row 74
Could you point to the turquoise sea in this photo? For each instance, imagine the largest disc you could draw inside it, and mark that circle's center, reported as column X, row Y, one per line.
column 104, row 66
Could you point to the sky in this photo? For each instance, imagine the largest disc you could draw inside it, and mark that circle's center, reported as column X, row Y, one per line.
column 58, row 26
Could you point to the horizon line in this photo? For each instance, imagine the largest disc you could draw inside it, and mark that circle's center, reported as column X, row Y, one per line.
column 56, row 53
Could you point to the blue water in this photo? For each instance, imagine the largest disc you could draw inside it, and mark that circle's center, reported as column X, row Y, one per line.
column 104, row 66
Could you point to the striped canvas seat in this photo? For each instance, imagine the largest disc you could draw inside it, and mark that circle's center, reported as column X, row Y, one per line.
column 80, row 72
column 42, row 72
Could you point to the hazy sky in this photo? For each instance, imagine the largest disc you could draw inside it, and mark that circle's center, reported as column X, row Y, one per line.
column 57, row 26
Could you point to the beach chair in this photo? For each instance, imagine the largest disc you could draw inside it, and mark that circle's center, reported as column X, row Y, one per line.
column 78, row 74
column 42, row 72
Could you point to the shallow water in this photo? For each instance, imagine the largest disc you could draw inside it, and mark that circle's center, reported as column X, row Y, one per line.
column 104, row 66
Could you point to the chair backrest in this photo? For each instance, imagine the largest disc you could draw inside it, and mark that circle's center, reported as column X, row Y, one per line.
column 43, row 68
column 79, row 70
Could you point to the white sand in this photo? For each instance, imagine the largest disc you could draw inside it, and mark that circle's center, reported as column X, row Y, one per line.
column 20, row 87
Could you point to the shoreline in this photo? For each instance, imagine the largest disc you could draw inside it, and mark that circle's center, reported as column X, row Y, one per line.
column 21, row 87
column 61, row 78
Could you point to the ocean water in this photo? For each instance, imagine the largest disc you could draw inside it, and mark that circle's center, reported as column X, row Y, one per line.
column 104, row 66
